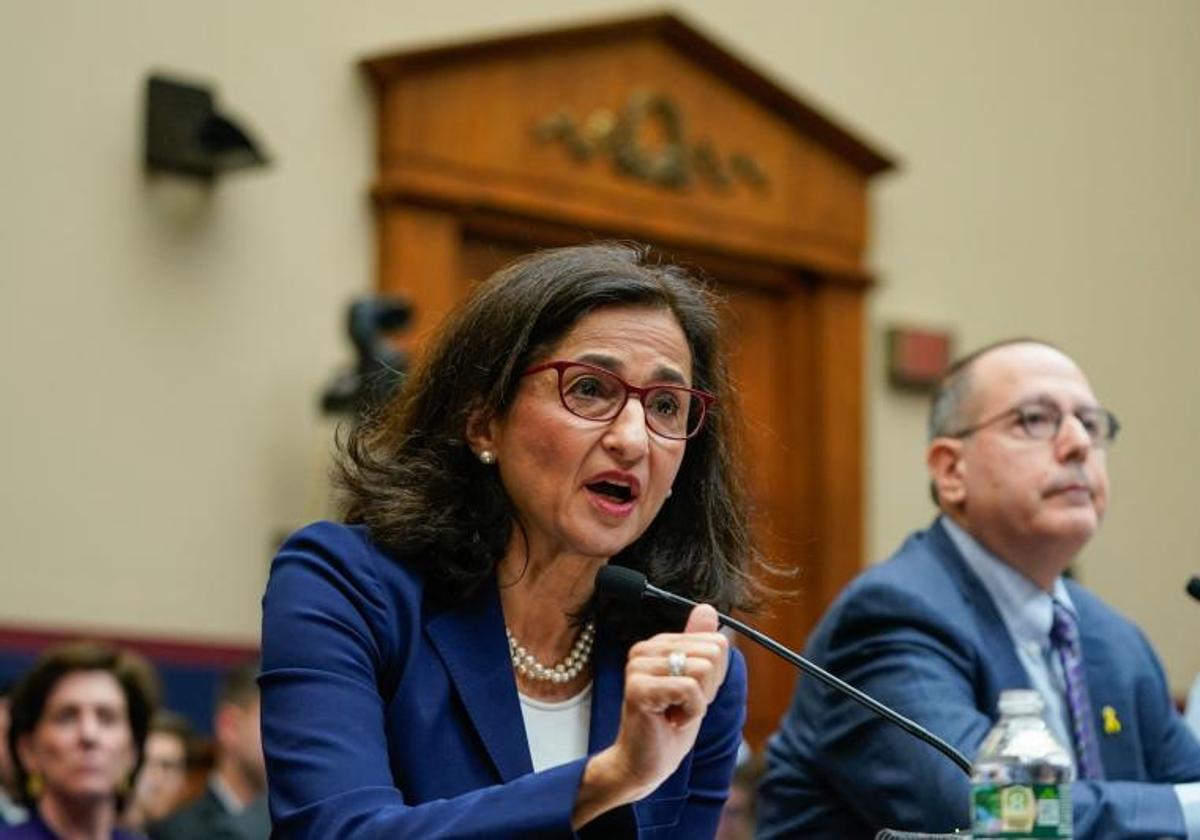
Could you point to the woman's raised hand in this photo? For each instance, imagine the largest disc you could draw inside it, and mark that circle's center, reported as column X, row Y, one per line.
column 670, row 679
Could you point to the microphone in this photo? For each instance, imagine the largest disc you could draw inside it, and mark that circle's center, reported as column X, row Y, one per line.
column 1193, row 587
column 624, row 584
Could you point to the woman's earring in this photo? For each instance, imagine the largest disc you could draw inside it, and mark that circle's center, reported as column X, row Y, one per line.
column 669, row 492
column 487, row 457
column 34, row 785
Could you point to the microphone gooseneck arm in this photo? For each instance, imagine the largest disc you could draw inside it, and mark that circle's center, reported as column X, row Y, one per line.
column 911, row 727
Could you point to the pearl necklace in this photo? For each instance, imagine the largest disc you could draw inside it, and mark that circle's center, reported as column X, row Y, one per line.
column 570, row 668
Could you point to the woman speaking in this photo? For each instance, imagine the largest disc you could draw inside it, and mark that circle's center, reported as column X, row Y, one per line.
column 439, row 666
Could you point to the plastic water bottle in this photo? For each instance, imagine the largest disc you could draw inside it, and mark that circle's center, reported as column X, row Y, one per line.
column 1021, row 786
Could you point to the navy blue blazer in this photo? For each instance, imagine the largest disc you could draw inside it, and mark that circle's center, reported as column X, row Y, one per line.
column 921, row 634
column 385, row 717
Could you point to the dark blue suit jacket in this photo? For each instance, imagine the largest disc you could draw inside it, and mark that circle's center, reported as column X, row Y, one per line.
column 384, row 717
column 921, row 634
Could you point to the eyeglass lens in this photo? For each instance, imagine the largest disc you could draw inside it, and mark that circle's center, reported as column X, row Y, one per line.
column 1044, row 421
column 595, row 395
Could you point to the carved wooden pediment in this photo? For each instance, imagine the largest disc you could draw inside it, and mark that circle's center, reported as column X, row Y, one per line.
column 640, row 127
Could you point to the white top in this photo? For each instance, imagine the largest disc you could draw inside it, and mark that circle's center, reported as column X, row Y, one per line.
column 557, row 730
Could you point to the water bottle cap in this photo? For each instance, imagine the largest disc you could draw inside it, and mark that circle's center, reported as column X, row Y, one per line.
column 1020, row 701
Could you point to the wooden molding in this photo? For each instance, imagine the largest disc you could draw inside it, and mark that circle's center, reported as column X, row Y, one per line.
column 32, row 640
column 669, row 28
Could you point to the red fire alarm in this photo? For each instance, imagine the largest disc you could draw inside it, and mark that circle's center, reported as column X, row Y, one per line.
column 916, row 357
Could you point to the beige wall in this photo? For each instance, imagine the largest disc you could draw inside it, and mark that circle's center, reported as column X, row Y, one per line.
column 163, row 347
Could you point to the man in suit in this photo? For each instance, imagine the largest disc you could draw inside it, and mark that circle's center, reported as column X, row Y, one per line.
column 234, row 806
column 976, row 604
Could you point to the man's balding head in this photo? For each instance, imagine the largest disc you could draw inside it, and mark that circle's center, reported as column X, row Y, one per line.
column 950, row 409
column 1033, row 502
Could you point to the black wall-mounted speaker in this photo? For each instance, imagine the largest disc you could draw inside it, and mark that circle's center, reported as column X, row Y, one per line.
column 186, row 136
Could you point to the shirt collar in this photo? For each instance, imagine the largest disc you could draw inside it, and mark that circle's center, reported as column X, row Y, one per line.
column 1027, row 609
column 225, row 794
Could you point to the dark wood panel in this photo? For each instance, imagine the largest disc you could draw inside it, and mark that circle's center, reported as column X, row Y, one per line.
column 757, row 331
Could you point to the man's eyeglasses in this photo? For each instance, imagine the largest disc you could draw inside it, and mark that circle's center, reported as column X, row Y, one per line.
column 1043, row 420
column 593, row 393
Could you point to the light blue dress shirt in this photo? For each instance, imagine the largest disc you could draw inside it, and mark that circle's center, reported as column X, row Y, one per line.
column 1028, row 612
column 1193, row 708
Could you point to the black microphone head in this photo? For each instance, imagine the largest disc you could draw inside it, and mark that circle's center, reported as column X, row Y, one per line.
column 1193, row 587
column 619, row 583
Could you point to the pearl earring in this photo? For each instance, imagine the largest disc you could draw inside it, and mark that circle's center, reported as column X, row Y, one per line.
column 487, row 457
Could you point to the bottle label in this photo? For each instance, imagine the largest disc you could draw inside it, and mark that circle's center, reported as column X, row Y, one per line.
column 1014, row 811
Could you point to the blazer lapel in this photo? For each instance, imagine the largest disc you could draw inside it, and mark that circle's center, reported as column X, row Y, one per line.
column 471, row 643
column 608, row 689
column 1110, row 701
column 1000, row 650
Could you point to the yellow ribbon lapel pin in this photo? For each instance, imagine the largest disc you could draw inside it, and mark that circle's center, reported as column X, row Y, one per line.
column 1112, row 723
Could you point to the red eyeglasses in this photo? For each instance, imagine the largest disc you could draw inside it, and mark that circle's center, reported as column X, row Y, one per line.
column 593, row 393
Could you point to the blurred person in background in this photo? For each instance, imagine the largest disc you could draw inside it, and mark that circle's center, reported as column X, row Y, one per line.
column 78, row 721
column 11, row 813
column 161, row 784
column 233, row 807
column 737, row 817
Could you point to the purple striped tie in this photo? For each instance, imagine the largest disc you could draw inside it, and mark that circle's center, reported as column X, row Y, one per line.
column 1064, row 638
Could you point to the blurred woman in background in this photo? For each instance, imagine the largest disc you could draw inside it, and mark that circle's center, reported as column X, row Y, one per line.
column 78, row 721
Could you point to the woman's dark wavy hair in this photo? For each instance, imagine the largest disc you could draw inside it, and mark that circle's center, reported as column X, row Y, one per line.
column 133, row 674
column 411, row 478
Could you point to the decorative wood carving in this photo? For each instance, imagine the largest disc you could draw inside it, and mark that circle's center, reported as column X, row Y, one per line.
column 674, row 163
column 646, row 129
